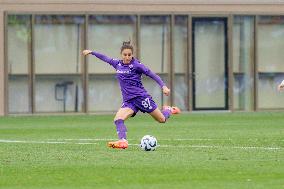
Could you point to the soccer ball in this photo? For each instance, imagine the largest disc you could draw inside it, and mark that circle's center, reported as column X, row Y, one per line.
column 148, row 143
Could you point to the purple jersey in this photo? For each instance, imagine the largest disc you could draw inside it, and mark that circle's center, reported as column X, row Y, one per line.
column 129, row 76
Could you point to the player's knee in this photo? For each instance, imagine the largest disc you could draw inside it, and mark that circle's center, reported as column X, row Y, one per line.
column 118, row 118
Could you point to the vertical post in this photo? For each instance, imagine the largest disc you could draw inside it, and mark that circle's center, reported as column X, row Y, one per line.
column 252, row 68
column 78, row 53
column 85, row 68
column 31, row 81
column 138, row 28
column 164, row 27
column 189, row 74
column 3, row 66
column 255, row 69
column 230, row 63
column 171, row 66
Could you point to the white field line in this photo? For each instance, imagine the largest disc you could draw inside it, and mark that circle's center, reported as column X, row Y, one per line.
column 110, row 139
column 163, row 146
column 83, row 139
column 197, row 139
column 40, row 142
column 212, row 146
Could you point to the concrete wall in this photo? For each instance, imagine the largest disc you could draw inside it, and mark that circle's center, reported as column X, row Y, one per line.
column 169, row 6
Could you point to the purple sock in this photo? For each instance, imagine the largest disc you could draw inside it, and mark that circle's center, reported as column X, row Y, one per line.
column 120, row 128
column 167, row 113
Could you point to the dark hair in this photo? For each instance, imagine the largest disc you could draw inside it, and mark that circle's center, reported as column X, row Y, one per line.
column 126, row 45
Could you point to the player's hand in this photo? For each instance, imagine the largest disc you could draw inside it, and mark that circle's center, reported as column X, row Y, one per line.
column 86, row 52
column 166, row 90
column 281, row 86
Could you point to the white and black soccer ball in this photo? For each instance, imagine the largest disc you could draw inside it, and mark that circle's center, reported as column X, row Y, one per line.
column 148, row 143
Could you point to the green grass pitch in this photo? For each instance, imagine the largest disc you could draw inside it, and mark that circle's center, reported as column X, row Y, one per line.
column 197, row 150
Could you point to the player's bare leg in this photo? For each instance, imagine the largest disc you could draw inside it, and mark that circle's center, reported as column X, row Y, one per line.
column 162, row 116
column 159, row 116
column 121, row 115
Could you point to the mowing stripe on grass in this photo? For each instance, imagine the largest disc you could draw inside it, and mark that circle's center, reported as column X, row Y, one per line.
column 163, row 146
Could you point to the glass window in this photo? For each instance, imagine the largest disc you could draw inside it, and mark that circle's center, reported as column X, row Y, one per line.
column 180, row 61
column 210, row 63
column 155, row 52
column 243, row 59
column 270, row 61
column 106, row 35
column 57, row 51
column 19, row 56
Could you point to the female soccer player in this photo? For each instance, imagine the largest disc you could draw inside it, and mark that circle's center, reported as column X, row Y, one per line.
column 128, row 72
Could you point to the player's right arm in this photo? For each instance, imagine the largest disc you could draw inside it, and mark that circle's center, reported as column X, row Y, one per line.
column 281, row 86
column 145, row 70
column 111, row 61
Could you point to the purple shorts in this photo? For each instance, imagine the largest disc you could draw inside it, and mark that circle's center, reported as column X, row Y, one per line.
column 141, row 103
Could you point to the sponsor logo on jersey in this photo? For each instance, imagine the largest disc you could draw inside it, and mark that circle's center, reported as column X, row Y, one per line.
column 123, row 71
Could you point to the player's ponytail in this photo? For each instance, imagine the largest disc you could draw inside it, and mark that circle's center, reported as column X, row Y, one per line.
column 126, row 45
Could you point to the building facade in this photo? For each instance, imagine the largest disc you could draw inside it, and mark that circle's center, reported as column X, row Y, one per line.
column 214, row 55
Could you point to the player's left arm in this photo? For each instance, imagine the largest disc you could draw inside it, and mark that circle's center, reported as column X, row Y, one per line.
column 145, row 70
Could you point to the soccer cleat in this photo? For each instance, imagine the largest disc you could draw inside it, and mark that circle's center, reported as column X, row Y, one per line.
column 122, row 144
column 173, row 109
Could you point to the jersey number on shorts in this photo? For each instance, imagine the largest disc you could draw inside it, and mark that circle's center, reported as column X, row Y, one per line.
column 146, row 103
